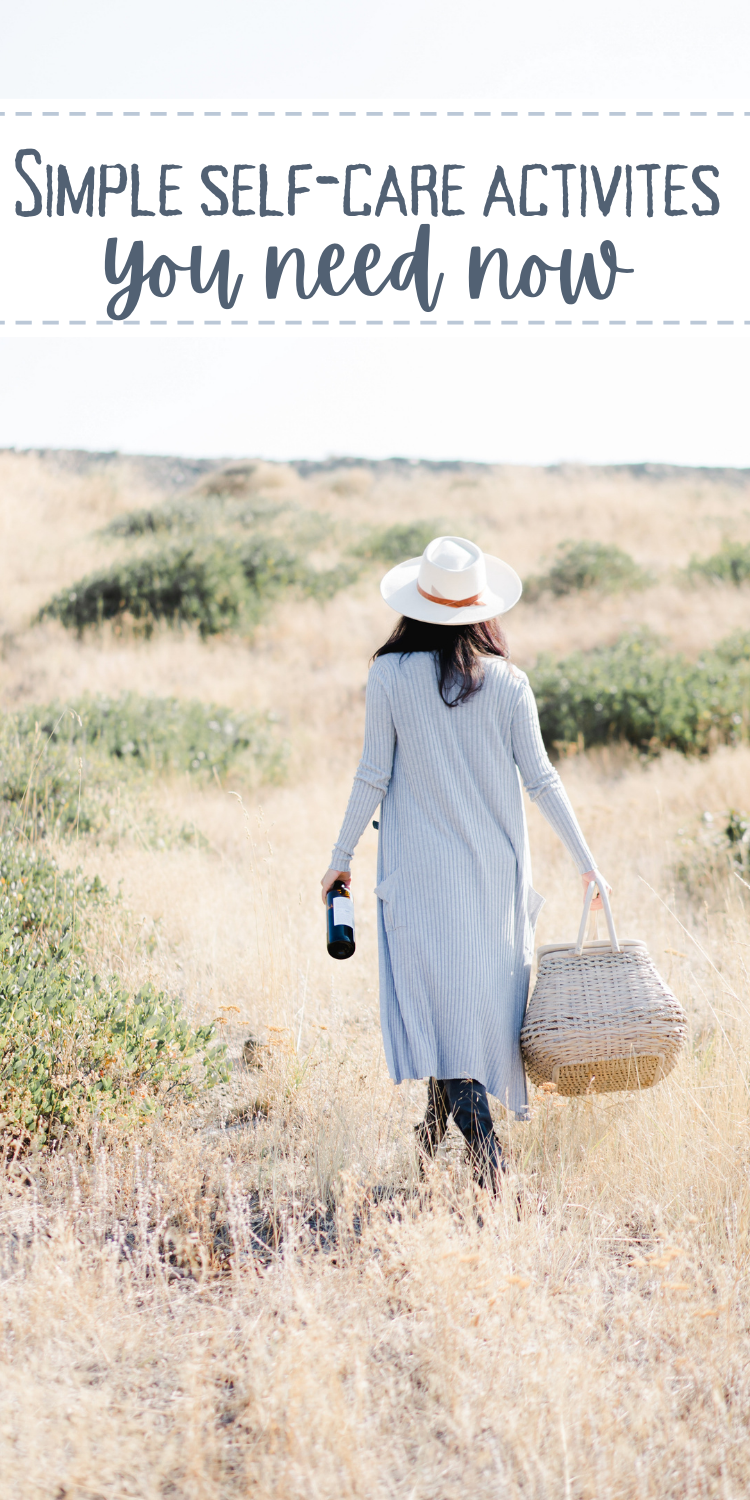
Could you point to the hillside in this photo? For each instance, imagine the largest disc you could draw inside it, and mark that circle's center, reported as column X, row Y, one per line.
column 247, row 1291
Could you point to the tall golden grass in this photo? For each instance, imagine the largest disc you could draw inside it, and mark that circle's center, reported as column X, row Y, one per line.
column 257, row 1296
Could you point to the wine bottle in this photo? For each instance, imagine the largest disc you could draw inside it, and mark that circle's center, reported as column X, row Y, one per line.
column 340, row 921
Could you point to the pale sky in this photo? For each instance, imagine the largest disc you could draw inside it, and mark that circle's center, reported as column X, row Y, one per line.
column 620, row 401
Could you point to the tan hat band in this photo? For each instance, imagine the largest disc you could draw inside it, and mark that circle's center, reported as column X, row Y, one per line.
column 449, row 603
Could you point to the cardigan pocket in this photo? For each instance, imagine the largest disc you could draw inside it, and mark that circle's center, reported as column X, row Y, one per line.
column 391, row 892
column 534, row 904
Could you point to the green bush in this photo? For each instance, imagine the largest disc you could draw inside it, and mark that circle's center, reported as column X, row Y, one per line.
column 731, row 564
column 710, row 855
column 733, row 650
column 74, row 1043
column 217, row 585
column 737, row 835
column 202, row 585
column 393, row 544
column 587, row 565
column 36, row 896
column 46, row 788
column 157, row 734
column 194, row 513
column 59, row 764
column 70, row 1042
column 635, row 692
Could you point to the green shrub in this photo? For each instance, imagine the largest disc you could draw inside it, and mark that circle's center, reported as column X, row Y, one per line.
column 157, row 734
column 71, row 1042
column 194, row 513
column 587, row 565
column 393, row 544
column 36, row 896
column 59, row 765
column 737, row 835
column 710, row 855
column 218, row 585
column 183, row 584
column 151, row 520
column 731, row 564
column 45, row 787
column 733, row 650
column 635, row 692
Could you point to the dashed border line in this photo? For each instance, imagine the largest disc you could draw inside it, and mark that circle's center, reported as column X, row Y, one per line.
column 451, row 114
column 381, row 322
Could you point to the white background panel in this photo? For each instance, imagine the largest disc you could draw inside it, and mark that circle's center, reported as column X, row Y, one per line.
column 687, row 270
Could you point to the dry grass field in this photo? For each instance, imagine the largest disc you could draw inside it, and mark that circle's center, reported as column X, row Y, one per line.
column 253, row 1294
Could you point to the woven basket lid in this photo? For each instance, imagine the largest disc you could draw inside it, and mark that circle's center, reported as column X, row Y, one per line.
column 602, row 945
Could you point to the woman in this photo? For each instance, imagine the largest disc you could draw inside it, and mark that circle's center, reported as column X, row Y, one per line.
column 449, row 726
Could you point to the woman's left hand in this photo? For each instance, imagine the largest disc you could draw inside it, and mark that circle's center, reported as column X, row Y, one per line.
column 330, row 878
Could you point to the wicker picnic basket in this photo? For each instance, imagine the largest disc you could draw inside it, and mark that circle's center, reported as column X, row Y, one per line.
column 601, row 1017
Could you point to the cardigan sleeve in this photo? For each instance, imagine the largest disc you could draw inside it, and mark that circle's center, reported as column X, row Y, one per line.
column 542, row 782
column 373, row 772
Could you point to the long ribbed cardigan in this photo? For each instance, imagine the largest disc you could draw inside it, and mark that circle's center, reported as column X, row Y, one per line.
column 456, row 907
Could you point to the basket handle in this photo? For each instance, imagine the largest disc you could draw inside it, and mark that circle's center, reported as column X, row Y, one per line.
column 602, row 886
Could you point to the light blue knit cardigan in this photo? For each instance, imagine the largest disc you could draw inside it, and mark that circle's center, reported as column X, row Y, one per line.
column 456, row 907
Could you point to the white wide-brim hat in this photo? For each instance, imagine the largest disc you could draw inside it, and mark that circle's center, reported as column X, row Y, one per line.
column 453, row 583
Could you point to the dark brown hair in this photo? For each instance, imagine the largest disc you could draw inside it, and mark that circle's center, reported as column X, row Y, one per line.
column 457, row 650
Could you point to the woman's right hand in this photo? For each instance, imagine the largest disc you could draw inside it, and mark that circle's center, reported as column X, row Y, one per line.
column 594, row 875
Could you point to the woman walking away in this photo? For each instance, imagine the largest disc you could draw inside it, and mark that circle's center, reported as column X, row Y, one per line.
column 449, row 726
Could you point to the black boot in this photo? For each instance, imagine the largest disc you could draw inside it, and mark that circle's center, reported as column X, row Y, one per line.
column 430, row 1131
column 487, row 1162
column 469, row 1105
